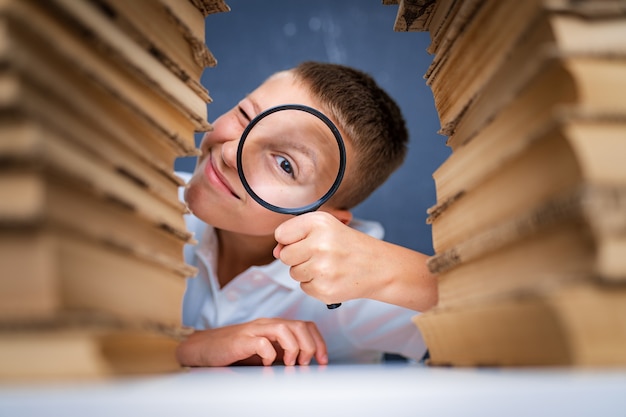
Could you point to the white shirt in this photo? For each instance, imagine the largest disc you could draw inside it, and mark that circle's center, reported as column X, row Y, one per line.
column 359, row 331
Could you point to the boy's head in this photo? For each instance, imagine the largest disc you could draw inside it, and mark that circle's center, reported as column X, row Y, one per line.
column 371, row 123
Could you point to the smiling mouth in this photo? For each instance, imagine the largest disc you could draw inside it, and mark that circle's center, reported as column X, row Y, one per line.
column 217, row 178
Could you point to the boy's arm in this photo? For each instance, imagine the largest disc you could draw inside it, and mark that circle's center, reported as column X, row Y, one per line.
column 292, row 341
column 335, row 263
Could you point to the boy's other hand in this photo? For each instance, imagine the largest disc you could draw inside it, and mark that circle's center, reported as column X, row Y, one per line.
column 259, row 342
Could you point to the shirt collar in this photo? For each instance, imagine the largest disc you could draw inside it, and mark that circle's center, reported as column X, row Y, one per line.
column 279, row 273
column 276, row 270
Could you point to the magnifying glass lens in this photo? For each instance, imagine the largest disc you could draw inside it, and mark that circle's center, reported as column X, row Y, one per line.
column 290, row 159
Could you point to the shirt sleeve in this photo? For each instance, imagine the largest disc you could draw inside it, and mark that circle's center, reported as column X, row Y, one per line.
column 375, row 325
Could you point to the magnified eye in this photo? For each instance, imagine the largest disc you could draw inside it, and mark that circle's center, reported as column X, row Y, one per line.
column 285, row 165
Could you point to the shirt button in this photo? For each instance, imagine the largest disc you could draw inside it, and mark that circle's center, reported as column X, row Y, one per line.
column 257, row 277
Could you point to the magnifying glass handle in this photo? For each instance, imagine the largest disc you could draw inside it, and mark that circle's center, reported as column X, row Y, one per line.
column 333, row 306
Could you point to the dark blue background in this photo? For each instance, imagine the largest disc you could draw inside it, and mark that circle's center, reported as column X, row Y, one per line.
column 258, row 38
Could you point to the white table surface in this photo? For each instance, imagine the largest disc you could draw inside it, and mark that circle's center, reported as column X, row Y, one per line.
column 334, row 390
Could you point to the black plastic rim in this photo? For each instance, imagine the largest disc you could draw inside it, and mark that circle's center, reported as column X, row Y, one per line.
column 342, row 160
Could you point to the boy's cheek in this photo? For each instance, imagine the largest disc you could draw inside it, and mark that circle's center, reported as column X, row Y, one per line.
column 205, row 143
column 226, row 128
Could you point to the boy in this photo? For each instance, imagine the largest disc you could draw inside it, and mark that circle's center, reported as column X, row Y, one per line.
column 249, row 307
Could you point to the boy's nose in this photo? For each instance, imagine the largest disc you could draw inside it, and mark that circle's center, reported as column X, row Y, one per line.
column 229, row 153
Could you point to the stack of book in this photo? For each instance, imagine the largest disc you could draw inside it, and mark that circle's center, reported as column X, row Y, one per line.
column 97, row 100
column 529, row 228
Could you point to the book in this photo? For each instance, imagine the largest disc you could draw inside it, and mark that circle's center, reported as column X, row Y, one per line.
column 472, row 54
column 444, row 20
column 555, row 158
column 448, row 20
column 97, row 100
column 57, row 154
column 208, row 7
column 528, row 229
column 581, row 324
column 170, row 30
column 526, row 71
column 106, row 37
column 37, row 86
column 49, row 270
column 90, row 346
column 501, row 142
column 35, row 196
column 39, row 27
column 412, row 15
column 574, row 236
column 193, row 13
column 24, row 103
column 155, row 27
column 485, row 54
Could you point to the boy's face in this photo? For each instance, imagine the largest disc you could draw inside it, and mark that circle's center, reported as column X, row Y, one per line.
column 215, row 193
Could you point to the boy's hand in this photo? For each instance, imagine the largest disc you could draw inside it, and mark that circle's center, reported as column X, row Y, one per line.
column 332, row 261
column 335, row 263
column 259, row 342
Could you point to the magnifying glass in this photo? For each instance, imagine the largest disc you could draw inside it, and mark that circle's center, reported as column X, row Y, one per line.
column 291, row 159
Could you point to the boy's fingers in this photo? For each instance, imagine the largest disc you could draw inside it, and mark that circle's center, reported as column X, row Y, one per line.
column 321, row 351
column 287, row 340
column 299, row 340
column 306, row 343
column 265, row 350
column 277, row 249
column 291, row 231
column 309, row 343
column 316, row 347
column 295, row 254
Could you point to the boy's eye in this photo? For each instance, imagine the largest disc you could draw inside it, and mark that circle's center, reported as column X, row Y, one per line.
column 244, row 114
column 285, row 165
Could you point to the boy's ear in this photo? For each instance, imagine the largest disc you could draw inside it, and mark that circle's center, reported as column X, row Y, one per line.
column 344, row 216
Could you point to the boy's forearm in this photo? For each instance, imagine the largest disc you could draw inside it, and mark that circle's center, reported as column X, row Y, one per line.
column 407, row 280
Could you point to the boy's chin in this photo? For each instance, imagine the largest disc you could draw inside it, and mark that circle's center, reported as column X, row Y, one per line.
column 190, row 196
column 240, row 226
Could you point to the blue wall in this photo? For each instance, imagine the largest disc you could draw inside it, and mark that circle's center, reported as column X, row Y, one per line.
column 258, row 38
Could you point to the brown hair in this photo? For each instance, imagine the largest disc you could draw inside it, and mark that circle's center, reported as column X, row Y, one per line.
column 368, row 116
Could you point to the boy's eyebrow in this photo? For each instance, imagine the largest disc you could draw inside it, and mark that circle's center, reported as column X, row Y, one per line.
column 255, row 105
column 306, row 151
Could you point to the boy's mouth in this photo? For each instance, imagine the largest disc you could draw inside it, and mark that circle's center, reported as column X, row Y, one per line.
column 215, row 177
